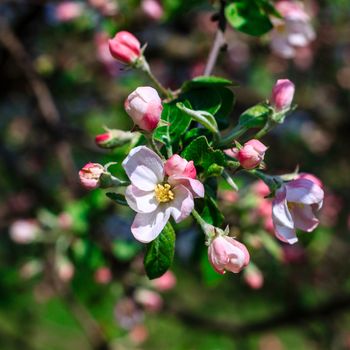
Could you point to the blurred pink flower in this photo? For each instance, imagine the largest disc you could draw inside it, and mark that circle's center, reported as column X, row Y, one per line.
column 24, row 231
column 65, row 269
column 293, row 31
column 68, row 10
column 150, row 300
column 103, row 275
column 138, row 334
column 127, row 313
column 152, row 8
column 165, row 282
column 253, row 277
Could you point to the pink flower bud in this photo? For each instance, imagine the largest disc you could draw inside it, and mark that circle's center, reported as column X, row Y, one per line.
column 251, row 154
column 115, row 138
column 125, row 47
column 151, row 301
column 144, row 106
column 90, row 175
column 232, row 152
column 177, row 165
column 65, row 269
column 225, row 253
column 24, row 231
column 165, row 282
column 282, row 94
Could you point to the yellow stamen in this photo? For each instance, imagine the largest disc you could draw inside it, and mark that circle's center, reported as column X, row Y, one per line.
column 292, row 205
column 164, row 193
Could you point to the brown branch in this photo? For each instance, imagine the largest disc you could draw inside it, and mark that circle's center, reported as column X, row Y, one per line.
column 292, row 318
column 219, row 41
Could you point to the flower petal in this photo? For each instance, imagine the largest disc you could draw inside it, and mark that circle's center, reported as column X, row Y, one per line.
column 182, row 205
column 141, row 201
column 304, row 218
column 195, row 186
column 304, row 191
column 147, row 226
column 144, row 168
column 280, row 211
column 285, row 234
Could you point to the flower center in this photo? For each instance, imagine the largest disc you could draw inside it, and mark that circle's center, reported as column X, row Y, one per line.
column 292, row 205
column 280, row 27
column 164, row 193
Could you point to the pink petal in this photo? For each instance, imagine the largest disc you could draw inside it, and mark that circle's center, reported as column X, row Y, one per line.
column 304, row 218
column 182, row 205
column 304, row 191
column 141, row 201
column 144, row 168
column 147, row 226
column 285, row 234
column 280, row 211
column 195, row 186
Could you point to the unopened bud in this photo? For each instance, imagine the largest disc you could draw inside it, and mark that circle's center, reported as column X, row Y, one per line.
column 125, row 47
column 115, row 138
column 90, row 175
column 282, row 94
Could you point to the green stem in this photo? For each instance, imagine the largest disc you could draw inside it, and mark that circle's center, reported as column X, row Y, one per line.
column 153, row 144
column 227, row 140
column 199, row 219
column 144, row 66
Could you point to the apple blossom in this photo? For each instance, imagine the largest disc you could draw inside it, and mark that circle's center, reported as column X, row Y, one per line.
column 90, row 175
column 177, row 165
column 293, row 31
column 154, row 196
column 282, row 94
column 144, row 106
column 152, row 8
column 226, row 253
column 294, row 206
column 125, row 47
column 251, row 154
column 253, row 277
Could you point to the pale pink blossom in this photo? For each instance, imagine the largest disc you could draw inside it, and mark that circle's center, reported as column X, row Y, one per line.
column 226, row 253
column 153, row 9
column 144, row 106
column 65, row 269
column 293, row 31
column 165, row 282
column 294, row 207
column 125, row 47
column 24, row 231
column 90, row 175
column 310, row 177
column 251, row 154
column 282, row 94
column 261, row 189
column 154, row 196
column 68, row 10
column 150, row 300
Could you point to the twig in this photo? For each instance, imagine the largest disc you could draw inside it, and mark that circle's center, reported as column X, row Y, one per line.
column 219, row 41
column 43, row 96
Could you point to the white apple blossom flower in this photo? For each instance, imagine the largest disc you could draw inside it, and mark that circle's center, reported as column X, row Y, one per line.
column 156, row 195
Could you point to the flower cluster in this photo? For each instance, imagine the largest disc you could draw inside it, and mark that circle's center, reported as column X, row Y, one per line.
column 171, row 175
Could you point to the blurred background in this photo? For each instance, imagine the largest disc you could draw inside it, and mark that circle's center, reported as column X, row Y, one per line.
column 71, row 273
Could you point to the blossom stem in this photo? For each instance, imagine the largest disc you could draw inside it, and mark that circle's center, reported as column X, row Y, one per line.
column 153, row 144
column 228, row 139
column 144, row 66
column 199, row 219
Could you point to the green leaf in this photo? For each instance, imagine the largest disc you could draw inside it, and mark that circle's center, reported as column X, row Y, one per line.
column 203, row 99
column 205, row 81
column 160, row 253
column 209, row 211
column 255, row 117
column 227, row 102
column 248, row 17
column 209, row 275
column 117, row 197
column 204, row 156
column 178, row 124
